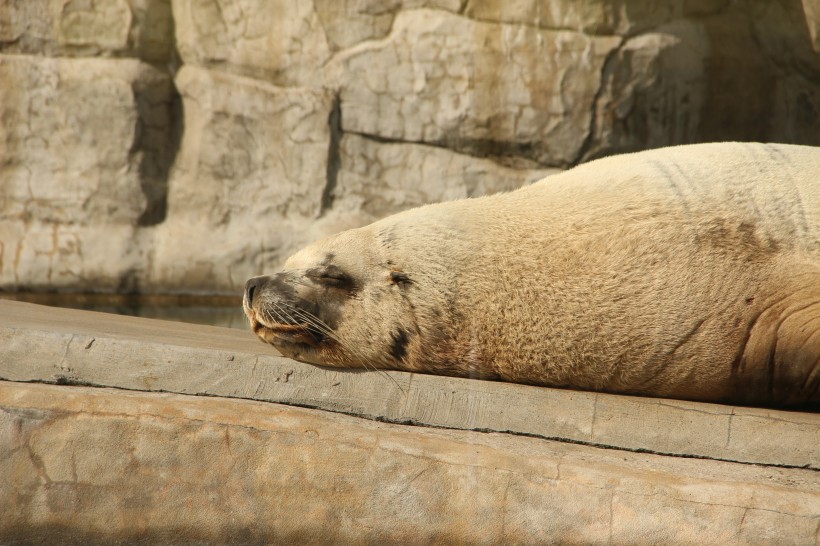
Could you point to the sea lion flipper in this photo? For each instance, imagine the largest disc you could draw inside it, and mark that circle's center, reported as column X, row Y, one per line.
column 783, row 350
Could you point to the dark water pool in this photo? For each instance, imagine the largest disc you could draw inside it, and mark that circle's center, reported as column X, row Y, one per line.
column 221, row 310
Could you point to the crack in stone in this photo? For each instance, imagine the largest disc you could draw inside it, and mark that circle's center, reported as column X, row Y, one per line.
column 545, row 28
column 407, row 394
column 65, row 354
column 729, row 428
column 413, row 422
column 472, row 148
column 334, row 161
column 594, row 416
column 611, row 516
column 37, row 461
column 740, row 525
column 503, row 531
column 694, row 410
column 704, row 503
column 606, row 72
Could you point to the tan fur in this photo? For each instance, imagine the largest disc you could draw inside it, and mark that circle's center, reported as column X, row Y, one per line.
column 689, row 272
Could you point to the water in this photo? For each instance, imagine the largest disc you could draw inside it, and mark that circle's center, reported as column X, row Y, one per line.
column 223, row 310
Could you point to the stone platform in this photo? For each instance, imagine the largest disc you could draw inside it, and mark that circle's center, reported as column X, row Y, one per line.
column 125, row 430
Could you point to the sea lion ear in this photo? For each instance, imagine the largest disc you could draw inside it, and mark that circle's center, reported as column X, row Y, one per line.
column 400, row 277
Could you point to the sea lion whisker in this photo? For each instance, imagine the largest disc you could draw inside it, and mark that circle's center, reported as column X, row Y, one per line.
column 312, row 320
column 272, row 315
column 284, row 316
column 364, row 361
column 291, row 319
column 328, row 332
column 309, row 317
column 266, row 315
column 276, row 315
column 325, row 329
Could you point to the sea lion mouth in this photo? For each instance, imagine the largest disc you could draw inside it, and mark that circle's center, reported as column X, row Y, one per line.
column 276, row 333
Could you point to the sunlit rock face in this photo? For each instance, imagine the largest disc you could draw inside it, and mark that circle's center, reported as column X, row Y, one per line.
column 185, row 145
column 84, row 158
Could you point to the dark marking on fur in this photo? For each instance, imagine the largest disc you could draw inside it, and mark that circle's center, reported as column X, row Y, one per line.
column 731, row 235
column 669, row 178
column 387, row 235
column 329, row 310
column 280, row 284
column 685, row 339
column 398, row 349
column 400, row 277
column 330, row 276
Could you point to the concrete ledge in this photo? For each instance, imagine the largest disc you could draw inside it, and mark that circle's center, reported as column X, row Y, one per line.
column 46, row 344
column 85, row 465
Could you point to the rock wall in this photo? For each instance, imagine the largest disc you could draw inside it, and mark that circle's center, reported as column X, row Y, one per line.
column 185, row 145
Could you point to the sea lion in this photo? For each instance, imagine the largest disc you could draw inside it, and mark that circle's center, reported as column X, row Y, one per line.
column 688, row 272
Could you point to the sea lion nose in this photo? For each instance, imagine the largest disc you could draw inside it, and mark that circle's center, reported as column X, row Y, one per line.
column 251, row 287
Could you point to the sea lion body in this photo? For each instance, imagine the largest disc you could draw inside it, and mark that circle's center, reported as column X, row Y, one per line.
column 689, row 272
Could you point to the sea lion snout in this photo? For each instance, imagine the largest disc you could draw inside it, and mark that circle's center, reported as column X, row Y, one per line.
column 284, row 310
column 251, row 287
column 260, row 289
column 265, row 291
column 275, row 312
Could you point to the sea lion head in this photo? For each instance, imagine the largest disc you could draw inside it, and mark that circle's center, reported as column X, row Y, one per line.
column 349, row 300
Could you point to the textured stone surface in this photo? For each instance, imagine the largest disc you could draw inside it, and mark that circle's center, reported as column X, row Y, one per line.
column 283, row 41
column 278, row 40
column 354, row 21
column 592, row 16
column 683, row 81
column 812, row 12
column 441, row 78
column 249, row 178
column 84, row 151
column 43, row 344
column 379, row 178
column 96, row 466
column 129, row 28
column 778, row 85
column 45, row 255
column 636, row 107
